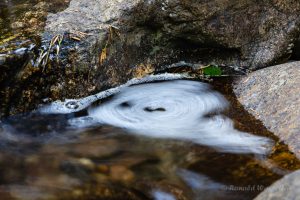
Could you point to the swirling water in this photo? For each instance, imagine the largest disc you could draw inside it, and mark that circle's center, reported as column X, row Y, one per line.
column 154, row 138
column 182, row 109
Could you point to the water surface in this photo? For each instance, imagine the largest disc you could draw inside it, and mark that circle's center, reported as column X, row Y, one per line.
column 164, row 140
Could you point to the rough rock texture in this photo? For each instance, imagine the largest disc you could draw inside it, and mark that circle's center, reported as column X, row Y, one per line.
column 21, row 84
column 90, row 28
column 259, row 32
column 109, row 42
column 272, row 96
column 105, row 43
column 94, row 18
column 285, row 189
column 250, row 34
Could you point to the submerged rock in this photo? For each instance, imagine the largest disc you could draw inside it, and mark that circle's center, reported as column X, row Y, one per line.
column 284, row 189
column 272, row 96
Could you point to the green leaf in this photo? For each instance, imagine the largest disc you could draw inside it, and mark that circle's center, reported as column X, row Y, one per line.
column 212, row 70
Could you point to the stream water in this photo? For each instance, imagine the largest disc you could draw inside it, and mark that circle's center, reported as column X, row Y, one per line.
column 172, row 139
column 155, row 138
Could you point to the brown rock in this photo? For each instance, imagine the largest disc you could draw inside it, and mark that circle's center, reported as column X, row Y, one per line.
column 120, row 173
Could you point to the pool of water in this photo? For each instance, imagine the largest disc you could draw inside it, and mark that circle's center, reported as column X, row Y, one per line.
column 161, row 140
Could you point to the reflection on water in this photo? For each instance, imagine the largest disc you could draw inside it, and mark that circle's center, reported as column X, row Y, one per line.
column 191, row 155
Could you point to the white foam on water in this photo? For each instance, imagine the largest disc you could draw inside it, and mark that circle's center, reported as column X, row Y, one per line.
column 174, row 109
column 177, row 110
column 75, row 105
column 199, row 181
column 161, row 195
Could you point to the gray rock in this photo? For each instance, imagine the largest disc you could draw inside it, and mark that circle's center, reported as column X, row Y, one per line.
column 88, row 15
column 286, row 188
column 107, row 43
column 260, row 32
column 155, row 33
column 90, row 22
column 272, row 96
column 249, row 34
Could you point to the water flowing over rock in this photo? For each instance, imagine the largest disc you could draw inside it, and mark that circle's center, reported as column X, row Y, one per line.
column 272, row 96
column 67, row 146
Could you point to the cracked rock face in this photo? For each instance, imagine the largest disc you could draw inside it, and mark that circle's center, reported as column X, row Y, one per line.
column 272, row 96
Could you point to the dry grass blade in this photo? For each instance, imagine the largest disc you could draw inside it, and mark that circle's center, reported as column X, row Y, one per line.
column 44, row 55
column 103, row 55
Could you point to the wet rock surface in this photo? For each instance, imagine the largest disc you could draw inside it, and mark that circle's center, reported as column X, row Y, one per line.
column 284, row 189
column 272, row 96
column 21, row 83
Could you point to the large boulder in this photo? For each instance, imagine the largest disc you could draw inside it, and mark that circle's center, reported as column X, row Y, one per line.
column 272, row 96
column 105, row 43
column 284, row 189
column 253, row 33
column 250, row 34
column 109, row 42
